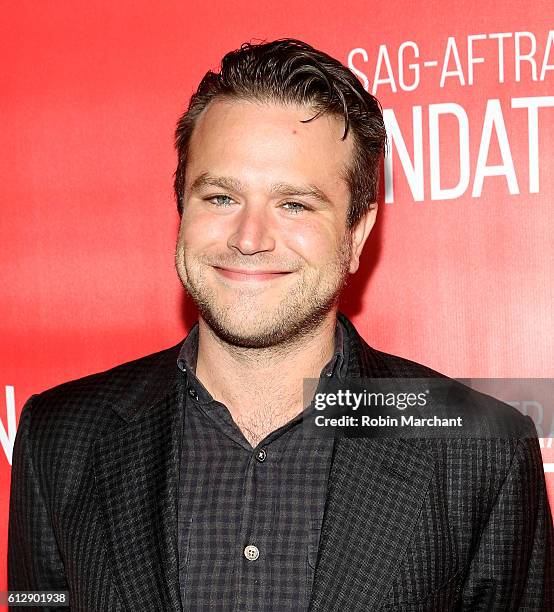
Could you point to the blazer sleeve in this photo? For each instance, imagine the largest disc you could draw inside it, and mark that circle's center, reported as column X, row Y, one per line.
column 34, row 562
column 512, row 568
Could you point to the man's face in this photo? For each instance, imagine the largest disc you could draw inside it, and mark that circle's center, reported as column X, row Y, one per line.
column 263, row 245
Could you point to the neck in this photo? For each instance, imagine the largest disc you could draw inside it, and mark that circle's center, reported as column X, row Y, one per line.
column 263, row 387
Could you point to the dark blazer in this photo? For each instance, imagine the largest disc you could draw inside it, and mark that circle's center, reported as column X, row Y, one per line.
column 420, row 524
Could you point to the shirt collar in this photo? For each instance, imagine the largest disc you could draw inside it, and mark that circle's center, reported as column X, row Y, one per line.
column 335, row 367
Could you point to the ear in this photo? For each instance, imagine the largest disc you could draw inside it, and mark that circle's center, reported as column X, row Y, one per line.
column 360, row 232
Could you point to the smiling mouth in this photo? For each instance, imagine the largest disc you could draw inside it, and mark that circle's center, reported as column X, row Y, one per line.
column 249, row 275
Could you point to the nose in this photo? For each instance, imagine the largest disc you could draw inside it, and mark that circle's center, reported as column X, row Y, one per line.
column 253, row 232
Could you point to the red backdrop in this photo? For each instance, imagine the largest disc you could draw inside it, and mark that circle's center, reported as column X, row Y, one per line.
column 457, row 274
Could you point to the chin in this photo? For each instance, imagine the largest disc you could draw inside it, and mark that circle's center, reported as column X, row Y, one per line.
column 263, row 328
column 248, row 334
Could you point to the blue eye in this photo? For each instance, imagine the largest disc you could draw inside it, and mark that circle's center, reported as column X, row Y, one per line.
column 297, row 207
column 216, row 197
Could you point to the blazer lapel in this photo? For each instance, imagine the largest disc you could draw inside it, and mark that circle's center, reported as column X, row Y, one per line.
column 376, row 489
column 136, row 474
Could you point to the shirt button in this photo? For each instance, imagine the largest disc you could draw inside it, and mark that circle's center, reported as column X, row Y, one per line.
column 192, row 393
column 251, row 552
column 261, row 455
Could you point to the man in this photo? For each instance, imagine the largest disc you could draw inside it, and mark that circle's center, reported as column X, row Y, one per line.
column 183, row 480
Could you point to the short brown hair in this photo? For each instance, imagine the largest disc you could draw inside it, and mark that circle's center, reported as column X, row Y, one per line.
column 291, row 71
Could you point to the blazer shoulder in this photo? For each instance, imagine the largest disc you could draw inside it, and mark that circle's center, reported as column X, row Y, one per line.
column 124, row 388
column 486, row 414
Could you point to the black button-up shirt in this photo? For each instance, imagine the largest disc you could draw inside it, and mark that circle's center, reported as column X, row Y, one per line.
column 249, row 518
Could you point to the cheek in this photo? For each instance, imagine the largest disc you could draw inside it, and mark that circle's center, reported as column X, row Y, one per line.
column 201, row 229
column 315, row 244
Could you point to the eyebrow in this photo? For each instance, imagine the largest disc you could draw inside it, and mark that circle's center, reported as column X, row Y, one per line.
column 283, row 189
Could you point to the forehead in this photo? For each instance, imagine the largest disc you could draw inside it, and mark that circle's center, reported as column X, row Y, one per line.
column 264, row 142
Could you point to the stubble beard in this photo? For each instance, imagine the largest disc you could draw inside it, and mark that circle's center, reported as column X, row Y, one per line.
column 301, row 310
